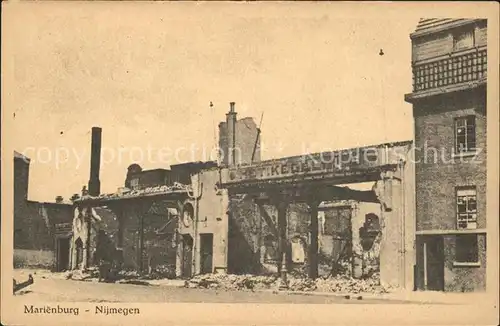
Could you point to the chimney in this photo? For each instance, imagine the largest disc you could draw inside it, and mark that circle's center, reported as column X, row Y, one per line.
column 95, row 162
column 231, row 134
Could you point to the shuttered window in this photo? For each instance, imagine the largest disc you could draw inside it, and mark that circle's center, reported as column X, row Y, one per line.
column 463, row 39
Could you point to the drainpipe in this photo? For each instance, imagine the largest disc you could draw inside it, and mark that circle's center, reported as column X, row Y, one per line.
column 196, row 197
column 141, row 243
column 88, row 216
column 231, row 134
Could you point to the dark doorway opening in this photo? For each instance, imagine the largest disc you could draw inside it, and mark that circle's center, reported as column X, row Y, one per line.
column 206, row 252
column 62, row 248
column 434, row 256
column 187, row 256
column 79, row 253
column 241, row 258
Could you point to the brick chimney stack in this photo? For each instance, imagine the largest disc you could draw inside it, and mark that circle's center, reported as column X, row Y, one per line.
column 231, row 134
column 95, row 162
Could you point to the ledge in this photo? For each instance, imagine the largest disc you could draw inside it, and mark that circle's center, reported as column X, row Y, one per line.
column 415, row 96
column 466, row 264
column 445, row 232
column 464, row 154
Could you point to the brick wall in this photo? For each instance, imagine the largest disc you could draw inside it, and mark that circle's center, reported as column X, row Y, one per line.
column 245, row 136
column 21, row 179
column 131, row 235
column 464, row 279
column 159, row 243
column 438, row 175
column 252, row 241
column 34, row 222
column 151, row 178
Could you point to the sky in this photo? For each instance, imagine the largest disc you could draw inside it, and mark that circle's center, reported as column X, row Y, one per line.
column 146, row 74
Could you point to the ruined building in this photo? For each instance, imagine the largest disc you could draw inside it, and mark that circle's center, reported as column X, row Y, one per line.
column 239, row 140
column 41, row 229
column 449, row 61
column 245, row 215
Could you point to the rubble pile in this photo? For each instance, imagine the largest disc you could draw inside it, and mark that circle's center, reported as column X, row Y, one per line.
column 79, row 275
column 340, row 283
column 231, row 282
column 346, row 284
column 125, row 193
column 128, row 275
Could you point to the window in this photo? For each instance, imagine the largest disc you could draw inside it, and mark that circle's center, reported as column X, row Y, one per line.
column 463, row 39
column 134, row 183
column 466, row 248
column 465, row 134
column 466, row 208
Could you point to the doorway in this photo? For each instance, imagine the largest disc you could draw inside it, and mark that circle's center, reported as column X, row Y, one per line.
column 434, row 263
column 63, row 245
column 187, row 256
column 79, row 253
column 206, row 252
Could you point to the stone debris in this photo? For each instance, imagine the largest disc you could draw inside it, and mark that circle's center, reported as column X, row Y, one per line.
column 346, row 284
column 79, row 275
column 339, row 284
column 334, row 284
column 231, row 282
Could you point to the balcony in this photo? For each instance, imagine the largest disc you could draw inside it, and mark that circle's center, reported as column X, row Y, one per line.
column 448, row 72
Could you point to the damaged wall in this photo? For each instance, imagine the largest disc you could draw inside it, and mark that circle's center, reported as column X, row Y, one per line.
column 150, row 227
column 253, row 239
column 209, row 221
column 34, row 222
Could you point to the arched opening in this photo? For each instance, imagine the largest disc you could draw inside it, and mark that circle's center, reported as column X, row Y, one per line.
column 187, row 215
column 79, row 253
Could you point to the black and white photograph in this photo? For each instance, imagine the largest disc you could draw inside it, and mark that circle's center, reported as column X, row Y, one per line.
column 295, row 160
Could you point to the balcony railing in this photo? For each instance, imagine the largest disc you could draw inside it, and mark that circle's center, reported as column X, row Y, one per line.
column 456, row 68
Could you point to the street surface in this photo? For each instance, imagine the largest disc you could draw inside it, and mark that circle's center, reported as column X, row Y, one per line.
column 57, row 290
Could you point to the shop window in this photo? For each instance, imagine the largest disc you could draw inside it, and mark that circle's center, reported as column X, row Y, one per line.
column 465, row 134
column 463, row 39
column 466, row 208
column 466, row 248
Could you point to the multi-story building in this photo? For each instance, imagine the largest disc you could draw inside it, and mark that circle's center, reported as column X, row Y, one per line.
column 41, row 230
column 449, row 63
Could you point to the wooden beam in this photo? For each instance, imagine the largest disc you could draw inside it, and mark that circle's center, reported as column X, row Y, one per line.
column 323, row 193
column 313, row 247
column 268, row 219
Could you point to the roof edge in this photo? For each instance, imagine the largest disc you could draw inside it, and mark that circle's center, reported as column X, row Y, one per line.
column 443, row 27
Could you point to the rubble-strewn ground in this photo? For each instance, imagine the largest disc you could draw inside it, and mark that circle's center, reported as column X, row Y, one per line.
column 341, row 284
column 54, row 287
column 84, row 287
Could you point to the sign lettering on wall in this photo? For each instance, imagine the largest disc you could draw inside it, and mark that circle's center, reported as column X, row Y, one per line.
column 341, row 163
